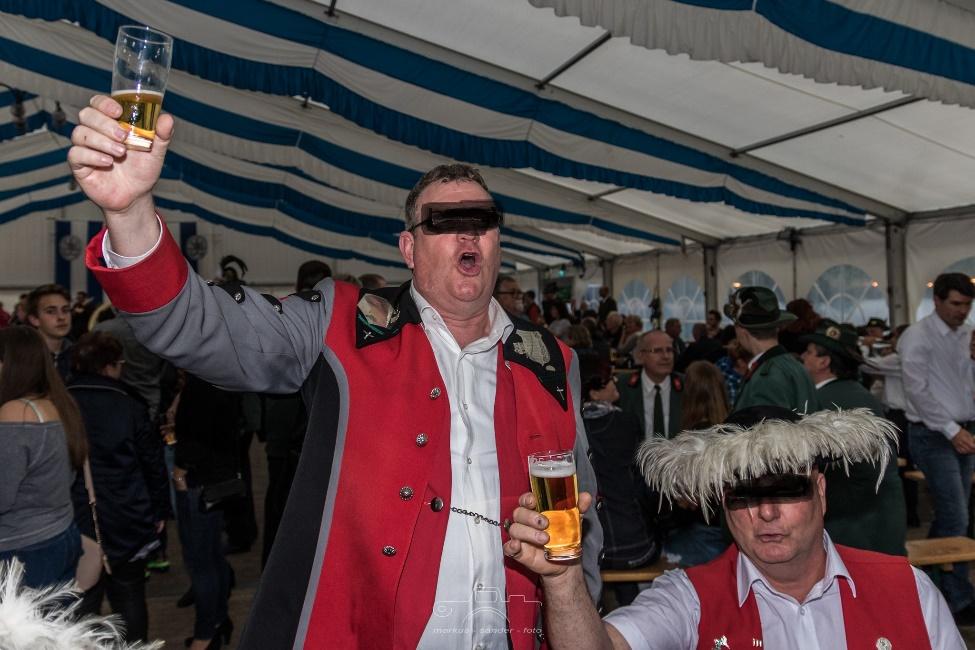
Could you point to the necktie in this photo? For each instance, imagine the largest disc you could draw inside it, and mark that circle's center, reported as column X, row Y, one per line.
column 658, row 412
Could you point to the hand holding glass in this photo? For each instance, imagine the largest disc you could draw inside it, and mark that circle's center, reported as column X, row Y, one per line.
column 553, row 481
column 142, row 60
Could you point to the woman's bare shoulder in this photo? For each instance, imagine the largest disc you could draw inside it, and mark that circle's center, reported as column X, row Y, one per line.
column 17, row 411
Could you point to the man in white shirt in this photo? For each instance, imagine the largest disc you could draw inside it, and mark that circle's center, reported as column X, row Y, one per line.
column 653, row 393
column 937, row 371
column 783, row 584
column 424, row 402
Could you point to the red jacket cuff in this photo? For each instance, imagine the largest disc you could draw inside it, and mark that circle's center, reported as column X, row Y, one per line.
column 150, row 284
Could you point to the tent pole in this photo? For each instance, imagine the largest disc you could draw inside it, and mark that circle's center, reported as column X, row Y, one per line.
column 710, row 278
column 896, row 250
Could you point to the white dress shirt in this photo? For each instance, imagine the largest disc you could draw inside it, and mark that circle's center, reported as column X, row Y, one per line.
column 648, row 394
column 471, row 584
column 667, row 614
column 889, row 367
column 824, row 382
column 938, row 374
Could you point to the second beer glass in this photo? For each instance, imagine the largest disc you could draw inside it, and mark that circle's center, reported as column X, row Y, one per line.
column 553, row 480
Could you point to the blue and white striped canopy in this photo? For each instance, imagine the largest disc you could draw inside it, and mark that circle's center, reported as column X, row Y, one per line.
column 311, row 129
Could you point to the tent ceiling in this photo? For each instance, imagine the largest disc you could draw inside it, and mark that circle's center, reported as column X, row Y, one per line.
column 627, row 151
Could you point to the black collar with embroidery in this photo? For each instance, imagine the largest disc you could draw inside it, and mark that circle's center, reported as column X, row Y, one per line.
column 382, row 313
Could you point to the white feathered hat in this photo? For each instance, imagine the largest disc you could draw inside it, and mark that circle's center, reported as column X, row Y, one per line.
column 44, row 619
column 697, row 465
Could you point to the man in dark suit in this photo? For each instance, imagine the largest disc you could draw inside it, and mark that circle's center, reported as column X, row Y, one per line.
column 653, row 393
column 607, row 304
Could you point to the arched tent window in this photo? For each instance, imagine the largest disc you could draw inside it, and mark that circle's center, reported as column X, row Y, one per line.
column 635, row 299
column 760, row 279
column 685, row 300
column 966, row 266
column 847, row 294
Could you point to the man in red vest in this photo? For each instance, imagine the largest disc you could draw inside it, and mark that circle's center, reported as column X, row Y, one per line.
column 424, row 402
column 783, row 584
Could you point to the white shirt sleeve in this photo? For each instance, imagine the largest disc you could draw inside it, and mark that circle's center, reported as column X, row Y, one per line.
column 115, row 261
column 942, row 630
column 664, row 616
column 915, row 355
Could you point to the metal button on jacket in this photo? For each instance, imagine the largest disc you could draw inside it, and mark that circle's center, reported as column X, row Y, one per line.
column 406, row 493
column 389, row 551
column 421, row 440
column 435, row 393
column 437, row 504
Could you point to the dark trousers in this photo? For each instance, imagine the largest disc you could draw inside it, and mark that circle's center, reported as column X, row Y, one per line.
column 949, row 478
column 200, row 534
column 126, row 591
column 280, row 475
column 239, row 517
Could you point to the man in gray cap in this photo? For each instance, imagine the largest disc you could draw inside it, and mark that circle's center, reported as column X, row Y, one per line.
column 774, row 376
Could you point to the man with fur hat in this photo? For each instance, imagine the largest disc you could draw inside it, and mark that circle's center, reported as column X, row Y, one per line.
column 783, row 584
column 774, row 376
column 857, row 514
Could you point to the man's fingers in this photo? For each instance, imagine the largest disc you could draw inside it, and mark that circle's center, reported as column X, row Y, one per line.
column 98, row 121
column 527, row 500
column 107, row 105
column 83, row 136
column 81, row 158
column 585, row 501
column 512, row 548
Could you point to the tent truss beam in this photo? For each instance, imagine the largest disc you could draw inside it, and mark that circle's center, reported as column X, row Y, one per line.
column 578, row 56
column 601, row 253
column 828, row 124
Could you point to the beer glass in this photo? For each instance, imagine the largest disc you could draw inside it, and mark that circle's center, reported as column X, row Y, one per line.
column 142, row 60
column 553, row 480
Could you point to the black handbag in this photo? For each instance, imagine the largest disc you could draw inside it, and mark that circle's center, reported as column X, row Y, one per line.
column 217, row 496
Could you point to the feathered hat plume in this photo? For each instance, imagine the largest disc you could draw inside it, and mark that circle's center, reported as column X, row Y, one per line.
column 44, row 619
column 696, row 465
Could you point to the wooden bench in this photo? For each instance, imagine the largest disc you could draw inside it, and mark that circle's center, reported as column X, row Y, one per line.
column 941, row 550
column 918, row 476
column 640, row 574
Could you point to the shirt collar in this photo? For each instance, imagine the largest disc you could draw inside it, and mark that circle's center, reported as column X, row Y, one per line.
column 648, row 383
column 501, row 325
column 754, row 361
column 824, row 382
column 748, row 574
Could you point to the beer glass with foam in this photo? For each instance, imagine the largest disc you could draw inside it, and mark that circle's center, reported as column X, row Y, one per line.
column 142, row 60
column 553, row 480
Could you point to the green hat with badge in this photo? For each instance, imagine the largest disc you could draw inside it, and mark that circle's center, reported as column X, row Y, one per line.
column 756, row 308
column 877, row 322
column 841, row 339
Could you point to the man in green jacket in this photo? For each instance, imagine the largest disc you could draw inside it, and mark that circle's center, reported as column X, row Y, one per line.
column 774, row 376
column 858, row 513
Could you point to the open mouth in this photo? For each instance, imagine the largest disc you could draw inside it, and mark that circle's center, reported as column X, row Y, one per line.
column 469, row 262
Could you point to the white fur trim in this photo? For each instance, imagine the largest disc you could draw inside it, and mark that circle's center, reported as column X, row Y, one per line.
column 43, row 619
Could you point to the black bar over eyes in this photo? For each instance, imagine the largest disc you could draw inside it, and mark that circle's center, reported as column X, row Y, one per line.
column 460, row 217
column 774, row 487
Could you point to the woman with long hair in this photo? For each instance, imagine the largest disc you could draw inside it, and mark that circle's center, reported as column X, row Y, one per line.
column 705, row 401
column 42, row 445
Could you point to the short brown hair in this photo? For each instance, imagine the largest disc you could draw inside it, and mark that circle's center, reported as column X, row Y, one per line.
column 445, row 174
column 705, row 399
column 94, row 351
column 34, row 297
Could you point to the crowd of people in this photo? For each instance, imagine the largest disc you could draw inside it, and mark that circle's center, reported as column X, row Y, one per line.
column 758, row 457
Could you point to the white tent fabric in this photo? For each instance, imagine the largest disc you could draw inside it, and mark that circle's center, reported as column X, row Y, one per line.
column 310, row 129
column 917, row 47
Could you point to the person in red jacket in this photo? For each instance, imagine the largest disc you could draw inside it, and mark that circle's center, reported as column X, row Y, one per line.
column 783, row 583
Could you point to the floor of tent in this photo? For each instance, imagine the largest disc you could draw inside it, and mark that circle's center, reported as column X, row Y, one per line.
column 173, row 625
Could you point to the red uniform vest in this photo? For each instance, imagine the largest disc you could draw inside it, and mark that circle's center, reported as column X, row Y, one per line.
column 370, row 599
column 886, row 605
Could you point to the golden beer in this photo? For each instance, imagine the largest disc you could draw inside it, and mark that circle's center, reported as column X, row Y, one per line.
column 553, row 481
column 140, row 110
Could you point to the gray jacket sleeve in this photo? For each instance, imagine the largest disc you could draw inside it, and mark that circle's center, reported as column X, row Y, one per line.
column 592, row 540
column 237, row 339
